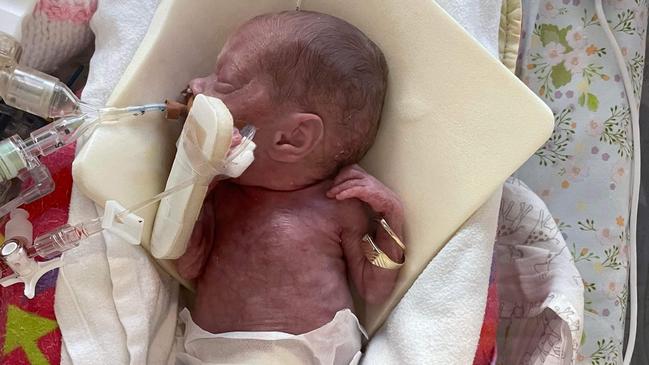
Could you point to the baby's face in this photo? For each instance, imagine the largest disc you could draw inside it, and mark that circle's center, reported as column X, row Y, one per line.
column 233, row 82
column 245, row 95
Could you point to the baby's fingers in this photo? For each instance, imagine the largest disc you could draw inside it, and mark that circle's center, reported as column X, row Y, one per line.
column 348, row 184
column 358, row 192
column 349, row 172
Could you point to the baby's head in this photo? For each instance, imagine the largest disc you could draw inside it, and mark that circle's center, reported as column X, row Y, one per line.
column 312, row 84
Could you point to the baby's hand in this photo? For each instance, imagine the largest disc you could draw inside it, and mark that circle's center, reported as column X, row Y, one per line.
column 374, row 283
column 354, row 182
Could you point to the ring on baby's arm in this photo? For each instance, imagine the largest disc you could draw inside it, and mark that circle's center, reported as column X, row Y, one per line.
column 390, row 232
column 377, row 257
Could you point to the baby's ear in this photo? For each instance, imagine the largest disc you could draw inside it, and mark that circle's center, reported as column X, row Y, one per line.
column 296, row 137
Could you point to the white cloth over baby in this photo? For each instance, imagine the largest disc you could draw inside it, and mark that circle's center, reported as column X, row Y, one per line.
column 337, row 342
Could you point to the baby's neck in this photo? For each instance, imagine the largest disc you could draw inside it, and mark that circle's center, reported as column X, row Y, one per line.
column 287, row 178
column 305, row 189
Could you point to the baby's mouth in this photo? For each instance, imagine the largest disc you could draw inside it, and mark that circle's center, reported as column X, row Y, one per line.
column 187, row 96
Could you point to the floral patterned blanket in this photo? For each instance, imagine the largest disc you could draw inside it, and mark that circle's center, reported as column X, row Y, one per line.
column 583, row 171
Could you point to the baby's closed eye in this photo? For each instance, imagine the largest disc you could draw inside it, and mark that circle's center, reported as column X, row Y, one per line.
column 221, row 87
column 210, row 85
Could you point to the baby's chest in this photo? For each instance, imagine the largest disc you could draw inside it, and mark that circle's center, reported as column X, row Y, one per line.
column 279, row 227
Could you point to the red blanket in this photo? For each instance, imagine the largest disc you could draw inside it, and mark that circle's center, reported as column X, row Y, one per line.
column 486, row 353
column 29, row 333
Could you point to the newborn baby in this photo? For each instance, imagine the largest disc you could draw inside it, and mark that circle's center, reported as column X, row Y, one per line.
column 274, row 251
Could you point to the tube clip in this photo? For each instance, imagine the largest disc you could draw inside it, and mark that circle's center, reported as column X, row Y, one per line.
column 129, row 227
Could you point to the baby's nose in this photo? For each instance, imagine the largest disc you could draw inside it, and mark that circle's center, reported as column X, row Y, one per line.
column 197, row 85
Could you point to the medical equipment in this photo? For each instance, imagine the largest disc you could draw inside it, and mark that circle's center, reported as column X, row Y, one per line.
column 10, row 51
column 19, row 253
column 45, row 96
column 30, row 90
column 22, row 176
column 17, row 154
column 206, row 138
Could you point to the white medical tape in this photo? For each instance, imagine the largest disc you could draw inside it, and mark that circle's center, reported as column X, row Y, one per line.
column 191, row 154
column 204, row 170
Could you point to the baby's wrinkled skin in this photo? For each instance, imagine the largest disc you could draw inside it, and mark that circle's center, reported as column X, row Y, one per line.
column 277, row 249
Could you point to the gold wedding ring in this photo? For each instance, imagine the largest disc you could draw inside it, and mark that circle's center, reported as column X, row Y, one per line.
column 376, row 256
column 394, row 236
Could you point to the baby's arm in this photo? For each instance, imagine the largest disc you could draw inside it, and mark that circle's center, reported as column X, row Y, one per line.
column 190, row 264
column 373, row 283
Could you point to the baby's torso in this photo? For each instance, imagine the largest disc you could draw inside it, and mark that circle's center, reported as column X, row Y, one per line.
column 276, row 264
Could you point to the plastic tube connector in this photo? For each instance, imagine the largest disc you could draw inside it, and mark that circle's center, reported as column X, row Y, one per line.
column 26, row 269
column 51, row 137
column 19, row 227
column 37, row 93
column 17, row 155
column 64, row 238
column 15, row 254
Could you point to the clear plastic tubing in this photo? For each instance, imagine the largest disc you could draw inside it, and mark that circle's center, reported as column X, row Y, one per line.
column 64, row 238
column 16, row 154
column 55, row 135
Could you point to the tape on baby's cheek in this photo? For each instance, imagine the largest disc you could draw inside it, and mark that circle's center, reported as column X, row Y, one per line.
column 191, row 154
